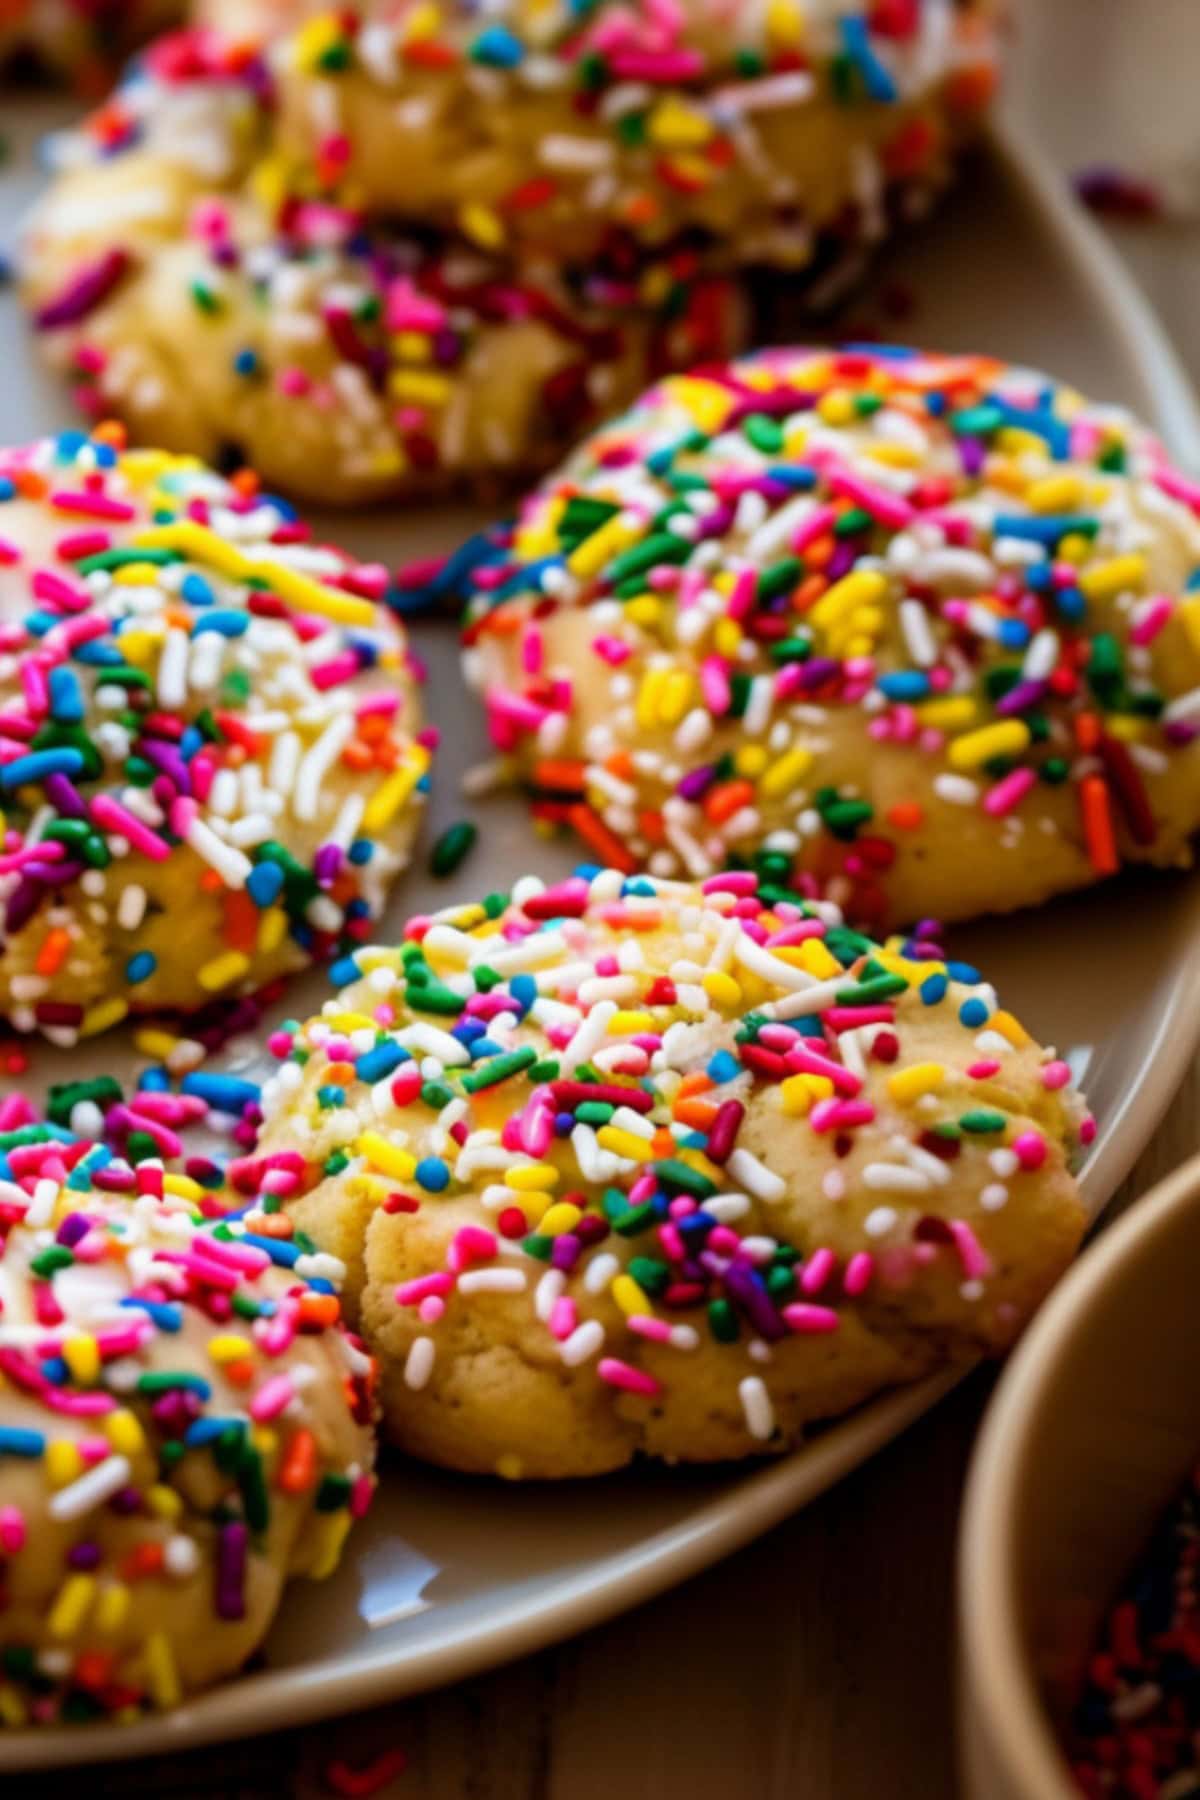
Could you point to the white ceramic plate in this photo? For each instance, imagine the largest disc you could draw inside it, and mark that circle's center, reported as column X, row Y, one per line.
column 449, row 1575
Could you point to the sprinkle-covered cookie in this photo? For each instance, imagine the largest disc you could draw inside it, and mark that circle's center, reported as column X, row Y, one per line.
column 188, row 279
column 920, row 629
column 210, row 755
column 626, row 1165
column 184, row 1426
column 762, row 131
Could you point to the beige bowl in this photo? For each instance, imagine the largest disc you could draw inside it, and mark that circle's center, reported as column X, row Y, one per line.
column 1093, row 1428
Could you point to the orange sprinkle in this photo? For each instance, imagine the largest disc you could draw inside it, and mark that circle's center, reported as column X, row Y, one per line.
column 906, row 815
column 620, row 763
column 561, row 775
column 211, row 882
column 53, row 953
column 1098, row 832
column 698, row 1114
column 358, row 755
column 651, row 826
column 695, row 1083
column 1088, row 732
column 240, row 1373
column 319, row 1309
column 247, row 482
column 241, row 920
column 596, row 835
column 298, row 1470
column 808, row 592
column 144, row 1560
column 93, row 1668
column 727, row 798
column 111, row 431
column 664, row 1144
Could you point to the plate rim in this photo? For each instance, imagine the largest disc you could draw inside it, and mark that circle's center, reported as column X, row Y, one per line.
column 273, row 1700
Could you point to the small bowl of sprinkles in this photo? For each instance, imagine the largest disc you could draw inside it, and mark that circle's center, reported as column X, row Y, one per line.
column 1080, row 1545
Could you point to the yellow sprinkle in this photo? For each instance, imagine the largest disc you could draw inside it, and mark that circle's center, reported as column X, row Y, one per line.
column 350, row 1021
column 71, row 1605
column 750, row 761
column 102, row 1017
column 799, row 1092
column 836, row 407
column 12, row 1707
column 649, row 697
column 200, row 544
column 952, row 713
column 863, row 587
column 394, row 790
column 112, row 1607
column 223, row 970
column 1189, row 613
column 154, row 1043
column 615, row 535
column 727, row 636
column 1104, row 581
column 134, row 575
column 644, row 610
column 624, row 1143
column 532, row 1175
column 785, row 24
column 64, row 1464
column 1010, row 1028
column 183, row 1186
column 229, row 1347
column 708, row 403
column 907, row 1085
column 419, row 387
column 623, row 1024
column 163, row 1501
column 124, row 1432
column 81, row 1354
column 265, row 1441
column 162, row 1677
column 676, row 696
column 483, row 225
column 1055, row 494
column 560, row 1217
column 786, row 772
column 1125, row 726
column 722, row 988
column 1016, row 441
column 1009, row 737
column 812, row 956
column 329, row 1534
column 677, row 126
column 389, row 1157
column 141, row 647
column 631, row 1298
column 413, row 346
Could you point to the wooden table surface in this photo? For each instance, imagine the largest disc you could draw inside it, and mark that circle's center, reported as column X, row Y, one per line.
column 817, row 1665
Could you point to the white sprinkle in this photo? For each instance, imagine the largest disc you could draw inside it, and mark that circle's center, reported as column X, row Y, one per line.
column 994, row 1196
column 172, row 670
column 880, row 1221
column 896, row 1178
column 549, row 1289
column 583, row 1343
column 493, row 1281
column 92, row 1489
column 757, row 1408
column 749, row 1173
column 600, row 1272
column 959, row 790
column 418, row 1364
column 233, row 868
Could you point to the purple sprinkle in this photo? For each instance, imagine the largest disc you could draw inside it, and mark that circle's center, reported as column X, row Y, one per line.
column 84, row 291
column 231, row 1571
column 1018, row 699
column 74, row 1226
column 745, row 1286
column 327, row 864
column 65, row 797
column 84, row 1556
column 697, row 781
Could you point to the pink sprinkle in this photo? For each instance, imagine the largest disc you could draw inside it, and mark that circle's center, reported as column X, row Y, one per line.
column 471, row 1243
column 1056, row 1075
column 818, row 522
column 337, row 670
column 1006, row 795
column 12, row 1530
column 807, row 1062
column 57, row 591
column 714, row 685
column 809, row 1320
column 411, row 1293
column 1178, row 486
column 817, row 1270
column 983, row 1071
column 889, row 509
column 612, row 650
column 75, row 545
column 10, row 553
column 431, row 1309
column 840, row 1115
column 1030, row 1149
column 110, row 815
column 657, row 1330
column 624, row 1376
column 563, row 1318
column 1153, row 616
column 274, row 1394
column 974, row 1258
column 734, row 881
column 532, row 645
column 859, row 1271
column 94, row 506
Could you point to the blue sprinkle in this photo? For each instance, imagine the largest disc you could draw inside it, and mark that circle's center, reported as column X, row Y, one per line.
column 498, row 47
column 723, row 1067
column 230, row 624
column 361, row 851
column 14, row 1442
column 374, row 1064
column 973, row 1012
column 933, row 989
column 154, row 1081
column 165, row 1316
column 469, row 1031
column 1013, row 634
column 344, row 971
column 523, row 989
column 905, row 684
column 246, row 362
column 56, row 1371
column 66, row 695
column 8, row 488
column 207, row 1431
column 196, row 591
column 433, row 1174
column 964, row 972
column 1041, row 528
column 224, row 1093
column 857, row 44
column 264, row 882
column 286, row 1255
column 141, row 966
column 64, row 760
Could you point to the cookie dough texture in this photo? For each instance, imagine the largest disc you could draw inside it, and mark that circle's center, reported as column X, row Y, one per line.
column 423, row 247
column 919, row 630
column 167, row 1464
column 191, row 283
column 210, row 754
column 630, row 1167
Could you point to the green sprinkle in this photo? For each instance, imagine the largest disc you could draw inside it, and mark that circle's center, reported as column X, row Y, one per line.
column 499, row 1068
column 682, row 1176
column 982, row 1120
column 452, row 848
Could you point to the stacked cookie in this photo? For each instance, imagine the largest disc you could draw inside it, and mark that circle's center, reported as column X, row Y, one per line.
column 408, row 248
